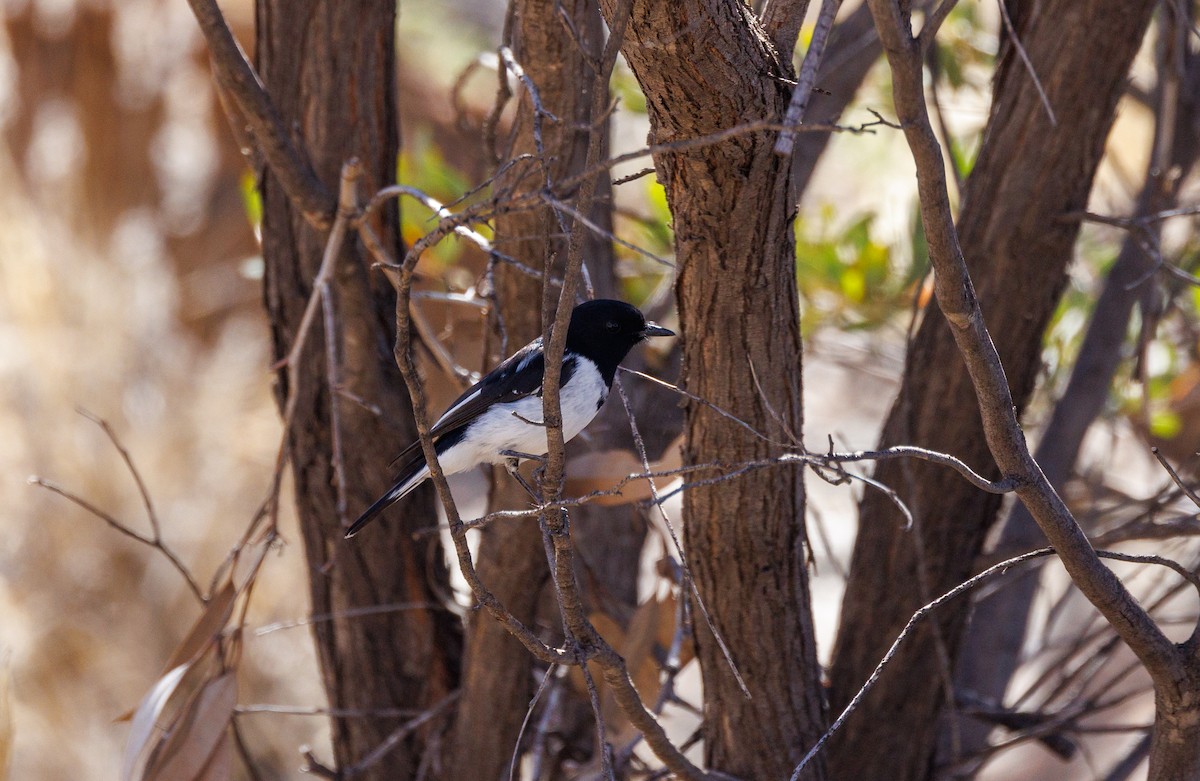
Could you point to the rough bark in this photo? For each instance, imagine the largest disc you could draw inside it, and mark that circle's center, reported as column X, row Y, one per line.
column 1175, row 741
column 992, row 648
column 738, row 310
column 336, row 91
column 1017, row 247
column 498, row 679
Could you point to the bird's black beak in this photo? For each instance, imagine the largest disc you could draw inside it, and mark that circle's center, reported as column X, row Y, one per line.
column 654, row 329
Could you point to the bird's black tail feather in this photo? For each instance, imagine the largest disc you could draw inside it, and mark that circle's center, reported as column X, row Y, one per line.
column 412, row 474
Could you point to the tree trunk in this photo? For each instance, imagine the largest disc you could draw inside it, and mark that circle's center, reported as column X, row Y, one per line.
column 1175, row 741
column 330, row 69
column 1017, row 246
column 498, row 679
column 739, row 313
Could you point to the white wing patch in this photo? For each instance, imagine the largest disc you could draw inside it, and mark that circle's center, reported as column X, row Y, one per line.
column 466, row 400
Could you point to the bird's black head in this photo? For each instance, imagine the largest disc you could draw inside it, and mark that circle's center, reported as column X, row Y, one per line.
column 605, row 331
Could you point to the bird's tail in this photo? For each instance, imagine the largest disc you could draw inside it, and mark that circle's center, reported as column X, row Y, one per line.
column 410, row 476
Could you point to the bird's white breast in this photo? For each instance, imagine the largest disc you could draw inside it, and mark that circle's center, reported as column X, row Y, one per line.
column 505, row 426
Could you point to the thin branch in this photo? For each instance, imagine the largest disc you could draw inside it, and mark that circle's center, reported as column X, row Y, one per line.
column 933, row 23
column 441, row 355
column 965, row 586
column 1003, row 486
column 333, row 376
column 1187, row 490
column 354, row 612
column 333, row 249
column 235, row 75
column 808, row 76
column 533, row 701
column 688, row 581
column 715, row 408
column 730, row 471
column 1016, row 42
column 599, row 231
column 335, row 713
column 391, row 741
column 956, row 297
column 416, row 391
column 137, row 477
column 123, row 529
column 562, row 567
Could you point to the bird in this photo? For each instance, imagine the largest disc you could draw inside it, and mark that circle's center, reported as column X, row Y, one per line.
column 498, row 420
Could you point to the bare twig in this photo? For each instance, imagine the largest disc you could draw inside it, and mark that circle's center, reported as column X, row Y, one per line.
column 416, row 391
column 133, row 471
column 808, row 77
column 1016, row 42
column 336, row 713
column 288, row 162
column 152, row 542
column 537, row 695
column 441, row 355
column 354, row 612
column 686, row 573
column 987, row 574
column 333, row 372
column 956, row 298
column 599, row 231
column 730, row 471
column 333, row 248
column 693, row 397
column 1187, row 490
column 399, row 734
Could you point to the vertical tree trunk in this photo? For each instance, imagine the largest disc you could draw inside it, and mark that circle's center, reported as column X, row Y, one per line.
column 330, row 68
column 739, row 313
column 1017, row 246
column 498, row 679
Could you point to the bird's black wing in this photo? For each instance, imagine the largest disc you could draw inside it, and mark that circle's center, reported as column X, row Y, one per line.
column 520, row 375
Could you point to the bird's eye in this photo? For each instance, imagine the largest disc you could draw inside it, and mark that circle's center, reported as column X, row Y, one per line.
column 612, row 326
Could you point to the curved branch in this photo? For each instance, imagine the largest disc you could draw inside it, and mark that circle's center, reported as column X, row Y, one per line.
column 235, row 75
column 956, row 297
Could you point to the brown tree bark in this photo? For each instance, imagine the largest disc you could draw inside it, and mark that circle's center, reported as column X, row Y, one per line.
column 330, row 70
column 1017, row 247
column 739, row 313
column 498, row 678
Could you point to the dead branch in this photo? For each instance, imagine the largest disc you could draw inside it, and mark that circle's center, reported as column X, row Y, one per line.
column 956, row 297
column 987, row 574
column 152, row 541
column 808, row 75
column 237, row 78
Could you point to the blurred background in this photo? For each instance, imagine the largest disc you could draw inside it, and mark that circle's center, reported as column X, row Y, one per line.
column 130, row 289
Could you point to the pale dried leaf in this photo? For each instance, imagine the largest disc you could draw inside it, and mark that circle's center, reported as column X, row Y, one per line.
column 186, row 753
column 210, row 623
column 636, row 644
column 220, row 764
column 638, row 648
column 144, row 732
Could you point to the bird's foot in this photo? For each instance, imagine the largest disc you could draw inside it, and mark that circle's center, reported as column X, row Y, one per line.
column 514, row 455
column 513, row 465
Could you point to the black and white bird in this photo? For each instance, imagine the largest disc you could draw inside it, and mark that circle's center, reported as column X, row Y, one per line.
column 499, row 418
